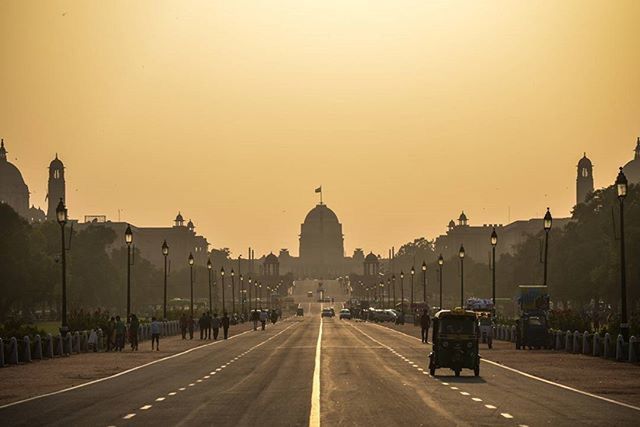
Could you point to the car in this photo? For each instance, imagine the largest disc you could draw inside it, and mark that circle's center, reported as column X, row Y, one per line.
column 300, row 311
column 345, row 314
column 326, row 312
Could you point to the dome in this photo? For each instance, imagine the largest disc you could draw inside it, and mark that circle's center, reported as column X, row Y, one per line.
column 463, row 217
column 271, row 259
column 179, row 218
column 56, row 163
column 190, row 225
column 632, row 169
column 10, row 177
column 585, row 162
column 321, row 213
column 452, row 224
column 371, row 258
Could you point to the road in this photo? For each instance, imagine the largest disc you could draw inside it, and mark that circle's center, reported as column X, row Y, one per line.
column 357, row 374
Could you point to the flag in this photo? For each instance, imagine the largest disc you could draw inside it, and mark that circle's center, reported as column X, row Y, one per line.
column 319, row 189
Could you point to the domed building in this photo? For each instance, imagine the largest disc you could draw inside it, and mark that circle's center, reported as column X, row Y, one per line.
column 632, row 169
column 584, row 180
column 56, row 189
column 13, row 190
column 321, row 243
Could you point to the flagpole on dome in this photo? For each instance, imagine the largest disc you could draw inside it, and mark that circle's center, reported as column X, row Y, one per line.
column 319, row 190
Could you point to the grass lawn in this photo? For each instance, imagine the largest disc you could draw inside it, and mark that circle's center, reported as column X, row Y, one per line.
column 49, row 327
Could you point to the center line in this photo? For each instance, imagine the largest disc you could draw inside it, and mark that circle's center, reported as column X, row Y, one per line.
column 128, row 416
column 504, row 414
column 489, row 406
column 160, row 399
column 314, row 415
column 145, row 407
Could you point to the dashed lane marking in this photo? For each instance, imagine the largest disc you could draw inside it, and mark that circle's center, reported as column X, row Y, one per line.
column 160, row 399
column 489, row 406
column 506, row 415
column 173, row 393
column 476, row 399
column 145, row 407
column 182, row 389
column 464, row 393
column 128, row 416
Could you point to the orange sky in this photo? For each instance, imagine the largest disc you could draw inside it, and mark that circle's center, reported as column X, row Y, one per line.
column 234, row 111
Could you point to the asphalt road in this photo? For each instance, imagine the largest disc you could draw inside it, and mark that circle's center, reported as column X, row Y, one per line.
column 367, row 375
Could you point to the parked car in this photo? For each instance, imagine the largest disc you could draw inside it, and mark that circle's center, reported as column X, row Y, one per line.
column 326, row 312
column 345, row 314
column 300, row 311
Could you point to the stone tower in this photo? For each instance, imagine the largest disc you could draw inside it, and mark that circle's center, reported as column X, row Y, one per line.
column 584, row 181
column 56, row 188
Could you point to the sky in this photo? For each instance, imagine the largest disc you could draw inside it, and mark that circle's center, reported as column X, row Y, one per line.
column 233, row 112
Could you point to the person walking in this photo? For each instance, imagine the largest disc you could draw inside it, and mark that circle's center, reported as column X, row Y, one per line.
column 110, row 332
column 183, row 326
column 215, row 325
column 133, row 332
column 208, row 325
column 120, row 330
column 155, row 333
column 254, row 318
column 201, row 323
column 425, row 322
column 191, row 324
column 225, row 325
column 263, row 318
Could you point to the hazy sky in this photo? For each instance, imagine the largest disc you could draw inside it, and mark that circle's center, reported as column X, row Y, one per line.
column 406, row 112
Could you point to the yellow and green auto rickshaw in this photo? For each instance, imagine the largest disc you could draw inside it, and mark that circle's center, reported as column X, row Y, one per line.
column 455, row 341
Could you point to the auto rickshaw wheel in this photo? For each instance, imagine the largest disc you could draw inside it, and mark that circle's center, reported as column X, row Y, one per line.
column 476, row 370
column 490, row 343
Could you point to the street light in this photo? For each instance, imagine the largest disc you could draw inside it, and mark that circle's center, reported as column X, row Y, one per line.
column 424, row 282
column 402, row 291
column 61, row 215
column 191, row 280
column 222, row 276
column 621, row 187
column 440, row 264
column 413, row 273
column 128, row 239
column 393, row 281
column 209, row 270
column 548, row 221
column 494, row 242
column 389, row 292
column 242, row 294
column 461, row 255
column 250, row 286
column 381, row 294
column 165, row 254
column 233, row 291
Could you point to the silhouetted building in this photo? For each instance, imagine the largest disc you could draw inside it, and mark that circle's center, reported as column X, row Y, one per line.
column 321, row 244
column 36, row 215
column 584, row 181
column 13, row 189
column 632, row 169
column 56, row 188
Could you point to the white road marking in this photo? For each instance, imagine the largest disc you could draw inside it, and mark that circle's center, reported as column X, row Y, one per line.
column 464, row 393
column 454, row 388
column 128, row 416
column 314, row 415
column 191, row 385
column 476, row 399
column 533, row 377
column 506, row 415
column 160, row 399
column 206, row 377
column 489, row 406
column 182, row 389
column 145, row 407
column 173, row 393
column 198, row 381
column 445, row 383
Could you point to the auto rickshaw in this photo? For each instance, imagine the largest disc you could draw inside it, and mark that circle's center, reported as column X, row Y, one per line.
column 455, row 341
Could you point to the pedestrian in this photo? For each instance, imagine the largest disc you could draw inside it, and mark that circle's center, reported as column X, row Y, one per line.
column 263, row 318
column 215, row 325
column 225, row 325
column 191, row 324
column 425, row 322
column 201, row 323
column 183, row 326
column 120, row 330
column 254, row 318
column 155, row 333
column 133, row 332
column 111, row 333
column 274, row 316
column 208, row 325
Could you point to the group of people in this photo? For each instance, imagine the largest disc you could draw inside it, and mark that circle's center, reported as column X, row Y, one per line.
column 117, row 333
column 209, row 326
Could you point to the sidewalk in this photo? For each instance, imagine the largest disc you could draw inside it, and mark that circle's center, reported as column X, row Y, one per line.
column 20, row 382
column 604, row 377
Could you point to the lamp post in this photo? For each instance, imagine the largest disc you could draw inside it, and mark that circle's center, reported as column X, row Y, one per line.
column 165, row 254
column 494, row 242
column 461, row 255
column 424, row 282
column 128, row 239
column 260, row 290
column 402, row 292
column 440, row 264
column 548, row 221
column 209, row 269
column 241, row 294
column 381, row 294
column 389, row 293
column 224, row 310
column 413, row 273
column 393, row 281
column 250, row 286
column 233, row 291
column 61, row 215
column 621, row 187
column 191, row 281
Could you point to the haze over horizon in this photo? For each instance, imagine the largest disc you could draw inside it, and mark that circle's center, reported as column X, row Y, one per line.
column 405, row 112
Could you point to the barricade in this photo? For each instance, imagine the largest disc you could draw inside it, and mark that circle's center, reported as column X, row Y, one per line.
column 512, row 337
column 597, row 345
column 84, row 342
column 48, row 346
column 100, row 343
column 1, row 353
column 76, row 342
column 586, row 340
column 633, row 349
column 568, row 341
column 26, row 349
column 621, row 354
column 606, row 353
column 559, row 340
column 37, row 348
column 59, row 345
column 577, row 342
column 68, row 343
column 13, row 351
